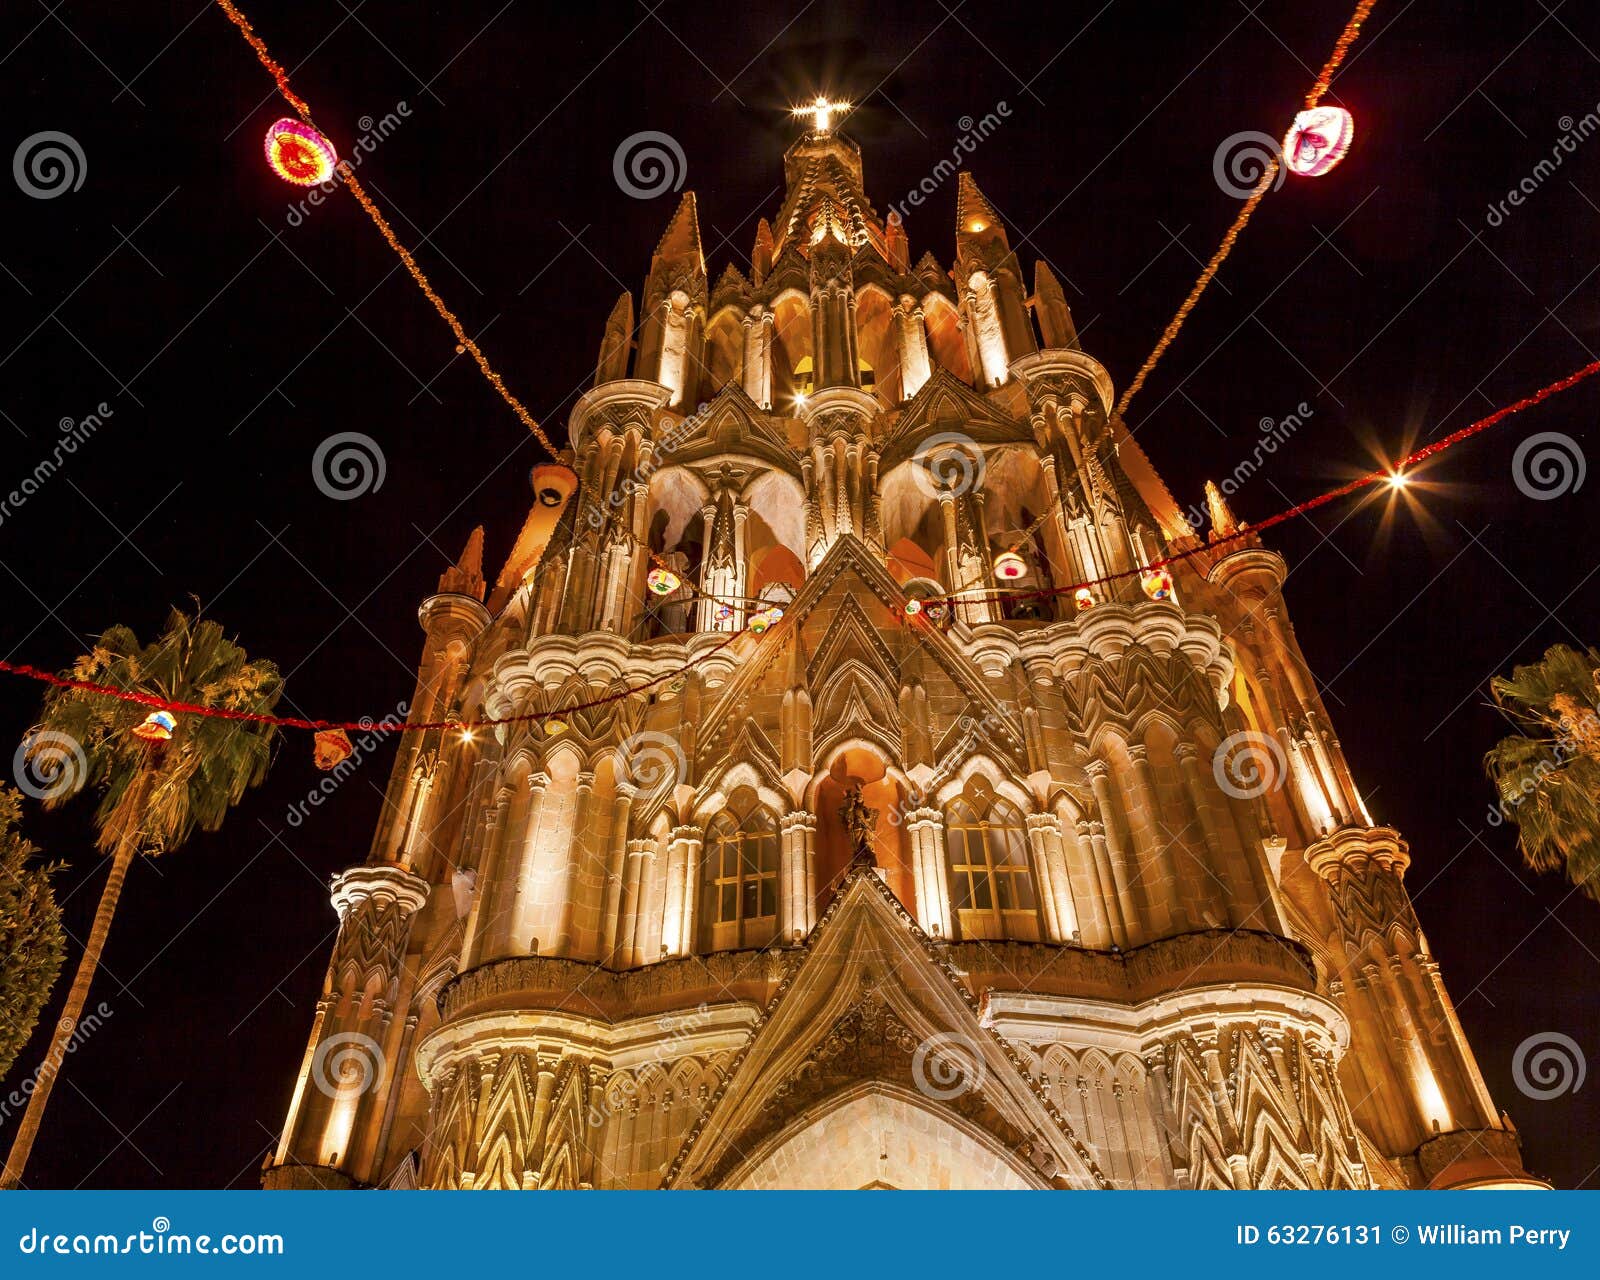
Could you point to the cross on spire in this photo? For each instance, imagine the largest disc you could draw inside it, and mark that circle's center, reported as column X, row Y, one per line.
column 821, row 111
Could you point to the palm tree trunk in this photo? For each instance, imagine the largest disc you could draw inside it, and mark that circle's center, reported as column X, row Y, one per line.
column 28, row 1129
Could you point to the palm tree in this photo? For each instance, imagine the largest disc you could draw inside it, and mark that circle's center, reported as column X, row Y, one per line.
column 32, row 943
column 153, row 793
column 1548, row 774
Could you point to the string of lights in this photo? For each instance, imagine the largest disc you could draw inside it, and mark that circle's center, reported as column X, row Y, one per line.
column 1385, row 475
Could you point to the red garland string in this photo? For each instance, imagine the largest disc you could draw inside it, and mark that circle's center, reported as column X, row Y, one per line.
column 387, row 726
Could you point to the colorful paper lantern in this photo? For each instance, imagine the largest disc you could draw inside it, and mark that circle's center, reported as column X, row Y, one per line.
column 299, row 154
column 662, row 581
column 1083, row 598
column 157, row 727
column 913, row 608
column 554, row 727
column 330, row 748
column 724, row 612
column 1317, row 140
column 1009, row 565
column 1157, row 584
column 938, row 612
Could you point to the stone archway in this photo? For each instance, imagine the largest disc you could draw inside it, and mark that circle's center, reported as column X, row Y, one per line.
column 876, row 1135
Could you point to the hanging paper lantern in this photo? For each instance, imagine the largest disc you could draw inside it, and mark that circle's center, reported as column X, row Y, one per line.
column 662, row 581
column 554, row 727
column 759, row 622
column 724, row 612
column 1010, row 565
column 938, row 612
column 1157, row 584
column 1317, row 140
column 1083, row 598
column 299, row 154
column 157, row 727
column 913, row 608
column 330, row 748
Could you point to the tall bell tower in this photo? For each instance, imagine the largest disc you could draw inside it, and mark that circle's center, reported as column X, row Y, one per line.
column 859, row 811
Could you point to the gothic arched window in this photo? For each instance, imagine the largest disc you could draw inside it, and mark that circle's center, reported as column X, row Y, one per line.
column 991, row 886
column 740, row 902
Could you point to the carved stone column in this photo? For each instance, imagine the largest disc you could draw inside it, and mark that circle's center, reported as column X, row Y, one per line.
column 797, row 878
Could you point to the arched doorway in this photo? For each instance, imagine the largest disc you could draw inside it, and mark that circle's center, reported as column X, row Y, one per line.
column 861, row 765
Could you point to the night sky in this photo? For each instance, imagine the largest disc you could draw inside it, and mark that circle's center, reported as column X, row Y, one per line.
column 228, row 343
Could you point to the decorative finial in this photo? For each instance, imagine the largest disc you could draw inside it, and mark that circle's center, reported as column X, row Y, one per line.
column 821, row 112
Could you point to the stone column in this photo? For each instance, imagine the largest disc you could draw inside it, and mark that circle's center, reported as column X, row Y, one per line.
column 683, row 890
column 915, row 367
column 926, row 826
column 1123, row 869
column 616, row 873
column 569, row 886
column 797, row 877
column 1055, row 891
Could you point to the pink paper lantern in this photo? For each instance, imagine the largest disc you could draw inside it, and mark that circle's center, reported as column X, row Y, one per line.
column 1317, row 140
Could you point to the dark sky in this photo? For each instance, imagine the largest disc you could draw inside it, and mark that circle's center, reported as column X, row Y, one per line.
column 229, row 343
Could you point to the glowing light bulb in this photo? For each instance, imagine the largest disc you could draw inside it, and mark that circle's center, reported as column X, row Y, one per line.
column 1398, row 480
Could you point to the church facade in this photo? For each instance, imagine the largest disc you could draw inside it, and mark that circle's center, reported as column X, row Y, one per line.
column 844, row 839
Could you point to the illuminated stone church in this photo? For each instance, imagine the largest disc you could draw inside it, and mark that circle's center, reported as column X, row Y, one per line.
column 850, row 842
